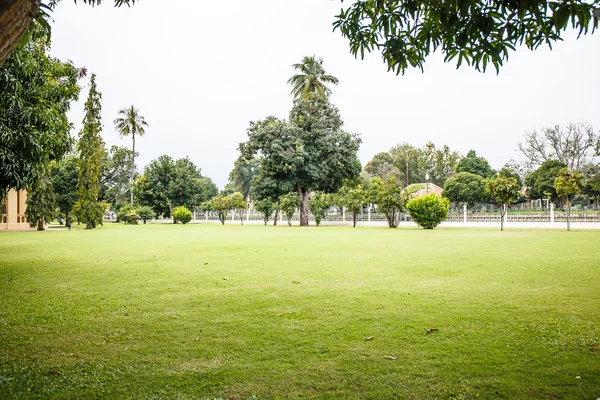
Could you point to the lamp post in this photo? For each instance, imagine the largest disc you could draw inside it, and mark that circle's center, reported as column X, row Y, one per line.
column 427, row 179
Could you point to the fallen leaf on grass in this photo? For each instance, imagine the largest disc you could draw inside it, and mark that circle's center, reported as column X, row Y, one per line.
column 198, row 338
column 431, row 330
column 370, row 338
column 295, row 282
column 577, row 377
column 54, row 372
column 390, row 357
column 225, row 279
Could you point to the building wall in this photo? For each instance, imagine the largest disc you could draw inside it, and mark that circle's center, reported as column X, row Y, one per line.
column 13, row 212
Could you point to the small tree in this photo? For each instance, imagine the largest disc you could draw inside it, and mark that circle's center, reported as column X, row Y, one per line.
column 239, row 204
column 266, row 208
column 318, row 204
column 353, row 200
column 222, row 205
column 289, row 203
column 389, row 198
column 41, row 202
column 182, row 214
column 146, row 213
column 567, row 184
column 505, row 191
column 428, row 211
column 129, row 215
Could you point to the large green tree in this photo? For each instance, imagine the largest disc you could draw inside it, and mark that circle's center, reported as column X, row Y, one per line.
column 64, row 183
column 477, row 32
column 131, row 123
column 242, row 174
column 115, row 175
column 41, row 201
column 465, row 188
column 540, row 183
column 475, row 165
column 91, row 151
column 311, row 79
column 310, row 152
column 36, row 92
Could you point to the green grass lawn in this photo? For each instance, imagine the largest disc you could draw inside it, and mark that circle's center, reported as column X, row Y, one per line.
column 145, row 312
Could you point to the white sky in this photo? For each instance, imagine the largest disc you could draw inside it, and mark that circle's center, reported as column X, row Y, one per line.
column 199, row 71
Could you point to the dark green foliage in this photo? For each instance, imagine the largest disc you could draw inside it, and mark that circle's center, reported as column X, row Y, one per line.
column 428, row 211
column 36, row 92
column 182, row 215
column 310, row 152
column 466, row 188
column 510, row 173
column 166, row 184
column 91, row 151
column 242, row 174
column 540, row 182
column 115, row 176
column 475, row 165
column 146, row 213
column 318, row 204
column 476, row 32
column 41, row 202
column 265, row 207
column 64, row 183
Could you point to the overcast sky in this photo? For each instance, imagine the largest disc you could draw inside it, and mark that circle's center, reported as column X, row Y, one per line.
column 199, row 71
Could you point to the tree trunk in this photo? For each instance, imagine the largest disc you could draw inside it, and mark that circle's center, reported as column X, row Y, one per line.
column 242, row 216
column 303, row 206
column 276, row 213
column 40, row 225
column 502, row 218
column 132, row 169
column 568, row 215
column 354, row 218
column 89, row 226
column 68, row 219
column 15, row 18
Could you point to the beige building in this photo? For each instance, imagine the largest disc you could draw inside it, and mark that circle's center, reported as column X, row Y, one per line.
column 13, row 212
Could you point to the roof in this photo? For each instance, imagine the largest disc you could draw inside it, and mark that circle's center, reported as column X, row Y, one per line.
column 429, row 188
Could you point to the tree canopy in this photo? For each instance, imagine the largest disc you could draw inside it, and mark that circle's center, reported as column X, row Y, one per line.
column 475, row 165
column 311, row 78
column 465, row 188
column 540, row 182
column 479, row 33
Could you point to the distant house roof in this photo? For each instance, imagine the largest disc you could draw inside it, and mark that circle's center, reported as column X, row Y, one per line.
column 428, row 188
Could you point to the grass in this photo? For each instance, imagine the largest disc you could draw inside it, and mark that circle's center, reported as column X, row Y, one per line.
column 145, row 312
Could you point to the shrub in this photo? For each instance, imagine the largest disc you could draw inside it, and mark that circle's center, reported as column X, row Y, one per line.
column 131, row 218
column 318, row 205
column 182, row 215
column 124, row 212
column 265, row 207
column 428, row 211
column 145, row 213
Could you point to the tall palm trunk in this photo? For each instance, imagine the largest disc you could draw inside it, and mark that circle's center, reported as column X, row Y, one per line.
column 132, row 169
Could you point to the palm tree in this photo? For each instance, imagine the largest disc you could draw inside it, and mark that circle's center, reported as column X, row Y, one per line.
column 130, row 122
column 311, row 79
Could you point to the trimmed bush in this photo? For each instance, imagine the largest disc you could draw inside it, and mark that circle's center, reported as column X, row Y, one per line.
column 146, row 213
column 428, row 211
column 182, row 215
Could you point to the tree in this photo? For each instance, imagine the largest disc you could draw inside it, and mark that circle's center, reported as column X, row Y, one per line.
column 505, row 192
column 540, row 182
column 509, row 172
column 238, row 203
column 131, row 123
column 64, row 184
column 146, row 213
column 36, row 92
column 41, row 202
column 242, row 174
column 222, row 205
column 571, row 145
column 91, row 152
column 265, row 207
column 428, row 211
column 289, row 203
column 568, row 183
column 478, row 32
column 115, row 177
column 354, row 200
column 465, row 188
column 182, row 214
column 310, row 152
column 16, row 17
column 389, row 198
column 311, row 79
column 382, row 165
column 265, row 186
column 318, row 204
column 592, row 188
column 475, row 165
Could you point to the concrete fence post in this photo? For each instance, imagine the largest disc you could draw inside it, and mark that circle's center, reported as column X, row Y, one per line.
column 464, row 213
column 551, row 213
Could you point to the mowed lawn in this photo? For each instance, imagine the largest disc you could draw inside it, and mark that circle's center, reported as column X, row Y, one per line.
column 146, row 312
